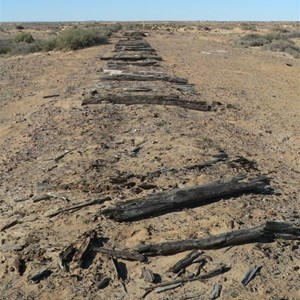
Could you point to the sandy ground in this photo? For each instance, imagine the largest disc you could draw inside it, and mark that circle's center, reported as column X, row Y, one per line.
column 258, row 120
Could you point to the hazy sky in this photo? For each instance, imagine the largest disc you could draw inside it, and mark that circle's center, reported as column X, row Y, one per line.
column 135, row 10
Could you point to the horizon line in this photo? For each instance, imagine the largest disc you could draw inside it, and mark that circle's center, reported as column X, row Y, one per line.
column 139, row 21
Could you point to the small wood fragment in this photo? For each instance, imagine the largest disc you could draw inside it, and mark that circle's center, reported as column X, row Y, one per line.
column 66, row 257
column 220, row 270
column 84, row 249
column 120, row 268
column 167, row 287
column 250, row 275
column 148, row 275
column 216, row 291
column 186, row 261
column 121, row 272
column 51, row 96
column 124, row 253
column 103, row 283
column 20, row 265
column 40, row 276
column 196, row 296
column 59, row 157
column 42, row 197
column 47, row 196
column 9, row 225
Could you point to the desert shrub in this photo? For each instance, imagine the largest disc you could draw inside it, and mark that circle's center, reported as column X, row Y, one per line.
column 281, row 29
column 4, row 50
column 275, row 35
column 284, row 46
column 203, row 27
column 276, row 41
column 49, row 45
column 25, row 48
column 248, row 26
column 253, row 40
column 24, row 37
column 293, row 35
column 114, row 27
column 6, row 46
column 77, row 38
column 19, row 27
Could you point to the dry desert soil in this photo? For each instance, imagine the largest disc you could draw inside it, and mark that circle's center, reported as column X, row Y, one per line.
column 56, row 153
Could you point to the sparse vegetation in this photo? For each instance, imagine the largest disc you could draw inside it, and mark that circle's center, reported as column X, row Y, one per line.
column 284, row 46
column 203, row 27
column 24, row 37
column 277, row 41
column 248, row 26
column 19, row 27
column 78, row 38
column 5, row 46
column 253, row 40
column 25, row 48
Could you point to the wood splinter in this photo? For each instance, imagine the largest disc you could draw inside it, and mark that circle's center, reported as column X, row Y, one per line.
column 220, row 270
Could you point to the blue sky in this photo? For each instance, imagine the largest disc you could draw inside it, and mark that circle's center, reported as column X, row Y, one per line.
column 135, row 10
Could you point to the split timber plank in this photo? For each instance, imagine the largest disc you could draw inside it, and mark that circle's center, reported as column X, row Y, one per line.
column 135, row 57
column 147, row 99
column 141, row 76
column 267, row 232
column 142, row 63
column 158, row 87
column 132, row 48
column 168, row 201
column 132, row 42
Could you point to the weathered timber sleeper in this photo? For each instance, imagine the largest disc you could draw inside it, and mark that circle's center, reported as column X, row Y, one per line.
column 268, row 232
column 168, row 201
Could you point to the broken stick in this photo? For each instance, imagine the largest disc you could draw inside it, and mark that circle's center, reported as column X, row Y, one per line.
column 79, row 206
column 222, row 269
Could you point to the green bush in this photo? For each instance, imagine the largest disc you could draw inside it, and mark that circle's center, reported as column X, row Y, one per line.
column 49, row 45
column 24, row 37
column 77, row 38
column 71, row 39
column 19, row 27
